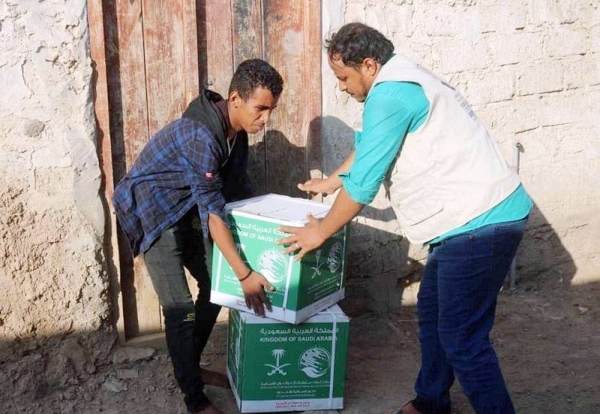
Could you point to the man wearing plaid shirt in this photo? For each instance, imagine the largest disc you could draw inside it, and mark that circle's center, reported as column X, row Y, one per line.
column 170, row 205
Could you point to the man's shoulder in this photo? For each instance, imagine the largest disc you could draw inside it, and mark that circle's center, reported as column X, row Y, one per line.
column 187, row 124
column 400, row 95
column 407, row 95
column 185, row 129
column 397, row 89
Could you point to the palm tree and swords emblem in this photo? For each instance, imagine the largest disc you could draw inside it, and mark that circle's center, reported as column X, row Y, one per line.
column 317, row 268
column 332, row 262
column 277, row 353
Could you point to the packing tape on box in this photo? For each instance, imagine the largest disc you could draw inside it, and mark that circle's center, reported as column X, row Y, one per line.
column 342, row 272
column 288, row 281
column 333, row 344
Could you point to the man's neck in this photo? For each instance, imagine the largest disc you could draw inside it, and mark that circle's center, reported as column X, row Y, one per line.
column 222, row 105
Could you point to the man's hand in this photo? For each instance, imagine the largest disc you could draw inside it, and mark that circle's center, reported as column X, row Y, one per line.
column 254, row 292
column 303, row 239
column 316, row 232
column 255, row 284
column 323, row 186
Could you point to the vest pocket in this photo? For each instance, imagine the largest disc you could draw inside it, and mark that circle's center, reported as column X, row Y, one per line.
column 418, row 207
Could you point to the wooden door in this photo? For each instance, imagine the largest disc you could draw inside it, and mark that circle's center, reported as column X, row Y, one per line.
column 150, row 58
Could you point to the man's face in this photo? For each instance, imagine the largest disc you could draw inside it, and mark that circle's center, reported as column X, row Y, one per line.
column 253, row 114
column 356, row 82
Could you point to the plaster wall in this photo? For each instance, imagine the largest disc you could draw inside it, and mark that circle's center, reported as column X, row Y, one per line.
column 531, row 70
column 54, row 308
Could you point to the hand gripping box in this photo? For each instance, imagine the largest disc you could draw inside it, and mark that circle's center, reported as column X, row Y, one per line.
column 304, row 287
column 274, row 366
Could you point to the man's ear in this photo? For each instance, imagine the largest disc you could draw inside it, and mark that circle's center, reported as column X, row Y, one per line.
column 235, row 98
column 370, row 66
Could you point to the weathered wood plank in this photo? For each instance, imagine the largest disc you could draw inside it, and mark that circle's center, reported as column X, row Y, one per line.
column 190, row 75
column 247, row 30
column 190, row 51
column 311, row 74
column 104, row 145
column 127, row 82
column 168, row 66
column 165, row 61
column 286, row 49
column 128, row 123
column 140, row 303
column 248, row 44
column 215, row 44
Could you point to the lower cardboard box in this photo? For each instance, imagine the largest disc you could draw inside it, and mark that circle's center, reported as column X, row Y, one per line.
column 274, row 366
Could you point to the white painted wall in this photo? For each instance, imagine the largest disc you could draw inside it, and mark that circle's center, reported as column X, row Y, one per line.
column 531, row 69
column 54, row 307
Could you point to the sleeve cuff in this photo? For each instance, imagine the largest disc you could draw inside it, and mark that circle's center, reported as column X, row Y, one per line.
column 204, row 216
column 213, row 203
column 356, row 193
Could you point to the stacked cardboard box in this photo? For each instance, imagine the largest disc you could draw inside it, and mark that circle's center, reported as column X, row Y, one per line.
column 295, row 358
column 276, row 366
column 304, row 287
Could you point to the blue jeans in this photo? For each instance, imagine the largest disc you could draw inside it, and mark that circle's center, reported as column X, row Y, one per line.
column 457, row 306
column 187, row 324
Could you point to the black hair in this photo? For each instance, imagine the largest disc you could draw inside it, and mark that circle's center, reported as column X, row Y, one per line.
column 255, row 73
column 354, row 42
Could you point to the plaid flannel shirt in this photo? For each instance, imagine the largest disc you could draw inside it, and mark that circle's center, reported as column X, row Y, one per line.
column 181, row 166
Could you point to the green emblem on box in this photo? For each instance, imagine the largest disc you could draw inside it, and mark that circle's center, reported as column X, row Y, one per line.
column 274, row 366
column 303, row 288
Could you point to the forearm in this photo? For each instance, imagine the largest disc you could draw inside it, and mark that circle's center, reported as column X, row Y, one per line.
column 221, row 235
column 315, row 232
column 343, row 210
column 345, row 166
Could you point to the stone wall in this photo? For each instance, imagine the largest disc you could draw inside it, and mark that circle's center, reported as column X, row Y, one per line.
column 531, row 70
column 55, row 322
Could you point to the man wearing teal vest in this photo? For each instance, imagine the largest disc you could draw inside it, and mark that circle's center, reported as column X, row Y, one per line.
column 450, row 188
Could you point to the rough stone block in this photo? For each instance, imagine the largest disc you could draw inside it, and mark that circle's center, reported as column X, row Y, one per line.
column 129, row 354
column 582, row 71
column 490, row 86
column 516, row 47
column 544, row 12
column 566, row 41
column 461, row 55
column 502, row 17
column 561, row 109
column 540, row 79
column 443, row 20
column 508, row 118
column 594, row 39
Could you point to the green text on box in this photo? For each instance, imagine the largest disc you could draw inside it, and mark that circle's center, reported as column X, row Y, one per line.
column 274, row 366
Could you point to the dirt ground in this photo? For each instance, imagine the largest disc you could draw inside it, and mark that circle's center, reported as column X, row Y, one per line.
column 547, row 335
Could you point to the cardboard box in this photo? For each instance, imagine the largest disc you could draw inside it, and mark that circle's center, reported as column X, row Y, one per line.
column 274, row 366
column 304, row 287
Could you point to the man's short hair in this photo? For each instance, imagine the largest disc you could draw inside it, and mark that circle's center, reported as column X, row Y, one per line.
column 354, row 42
column 255, row 73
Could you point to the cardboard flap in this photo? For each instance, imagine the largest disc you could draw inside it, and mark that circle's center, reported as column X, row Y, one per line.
column 278, row 207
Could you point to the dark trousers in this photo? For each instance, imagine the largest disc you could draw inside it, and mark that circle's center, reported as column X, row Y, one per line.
column 457, row 306
column 187, row 324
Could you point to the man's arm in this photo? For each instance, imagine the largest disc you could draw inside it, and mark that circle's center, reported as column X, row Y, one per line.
column 388, row 116
column 203, row 154
column 253, row 283
column 330, row 184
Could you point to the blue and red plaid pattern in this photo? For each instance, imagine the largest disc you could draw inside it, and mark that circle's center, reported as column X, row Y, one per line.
column 181, row 166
